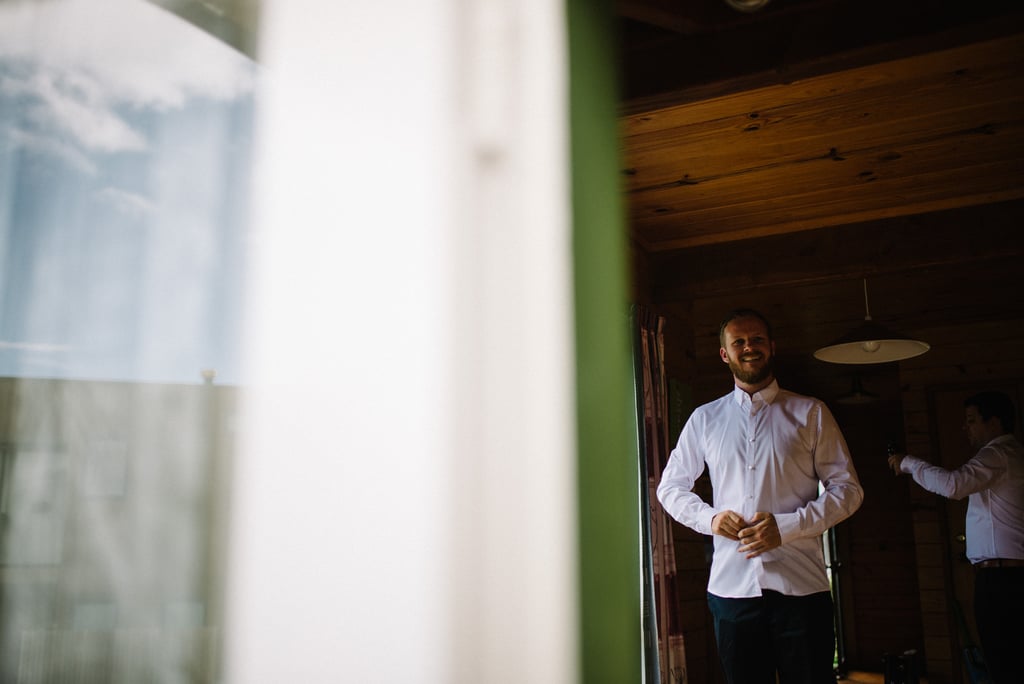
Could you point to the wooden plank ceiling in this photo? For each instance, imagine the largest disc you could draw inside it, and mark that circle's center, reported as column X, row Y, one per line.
column 897, row 121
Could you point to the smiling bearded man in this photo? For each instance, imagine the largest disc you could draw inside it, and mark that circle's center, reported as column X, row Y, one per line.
column 748, row 349
column 767, row 451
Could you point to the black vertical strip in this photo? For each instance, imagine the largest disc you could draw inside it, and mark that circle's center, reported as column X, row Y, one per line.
column 835, row 565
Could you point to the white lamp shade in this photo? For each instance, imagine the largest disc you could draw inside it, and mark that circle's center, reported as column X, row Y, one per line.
column 871, row 343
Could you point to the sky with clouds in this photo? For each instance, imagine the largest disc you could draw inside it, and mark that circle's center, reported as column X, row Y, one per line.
column 125, row 149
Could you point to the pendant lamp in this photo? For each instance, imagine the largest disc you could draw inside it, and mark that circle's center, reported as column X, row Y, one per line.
column 747, row 5
column 871, row 343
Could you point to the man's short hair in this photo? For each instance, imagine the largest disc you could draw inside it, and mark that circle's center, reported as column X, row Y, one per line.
column 743, row 313
column 991, row 404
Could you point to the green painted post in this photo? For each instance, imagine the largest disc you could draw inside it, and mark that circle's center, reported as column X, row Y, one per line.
column 608, row 468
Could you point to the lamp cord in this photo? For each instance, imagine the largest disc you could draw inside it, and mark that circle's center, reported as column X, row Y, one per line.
column 867, row 310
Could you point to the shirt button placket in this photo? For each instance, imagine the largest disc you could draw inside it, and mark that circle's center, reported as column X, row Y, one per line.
column 756, row 411
column 751, row 434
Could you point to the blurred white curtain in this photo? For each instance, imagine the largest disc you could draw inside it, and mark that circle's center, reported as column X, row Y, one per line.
column 405, row 485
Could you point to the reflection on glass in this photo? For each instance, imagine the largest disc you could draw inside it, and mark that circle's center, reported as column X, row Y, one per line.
column 124, row 172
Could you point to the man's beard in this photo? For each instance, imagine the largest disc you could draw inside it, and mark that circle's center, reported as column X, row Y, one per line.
column 752, row 377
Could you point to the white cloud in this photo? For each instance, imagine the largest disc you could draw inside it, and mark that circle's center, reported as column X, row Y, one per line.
column 141, row 54
column 51, row 147
column 127, row 202
column 88, row 121
column 34, row 347
column 91, row 56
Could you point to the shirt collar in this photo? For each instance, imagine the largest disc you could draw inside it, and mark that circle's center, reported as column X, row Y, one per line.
column 765, row 394
column 1005, row 437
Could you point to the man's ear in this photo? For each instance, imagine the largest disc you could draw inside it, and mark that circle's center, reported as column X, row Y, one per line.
column 725, row 355
column 995, row 425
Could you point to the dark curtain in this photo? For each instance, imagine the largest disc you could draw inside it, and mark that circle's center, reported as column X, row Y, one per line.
column 665, row 654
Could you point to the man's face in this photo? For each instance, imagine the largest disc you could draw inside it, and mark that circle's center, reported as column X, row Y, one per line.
column 748, row 350
column 980, row 431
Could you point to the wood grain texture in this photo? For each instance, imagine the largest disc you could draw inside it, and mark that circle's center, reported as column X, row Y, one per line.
column 925, row 133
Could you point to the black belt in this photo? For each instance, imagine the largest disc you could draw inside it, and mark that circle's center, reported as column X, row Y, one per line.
column 1000, row 563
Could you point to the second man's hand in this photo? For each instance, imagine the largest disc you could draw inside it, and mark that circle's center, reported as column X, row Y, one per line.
column 761, row 535
column 895, row 460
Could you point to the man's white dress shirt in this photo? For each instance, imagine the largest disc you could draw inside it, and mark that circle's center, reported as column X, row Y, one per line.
column 764, row 453
column 994, row 482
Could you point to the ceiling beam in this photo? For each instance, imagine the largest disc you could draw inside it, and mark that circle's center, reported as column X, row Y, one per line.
column 663, row 14
column 941, row 240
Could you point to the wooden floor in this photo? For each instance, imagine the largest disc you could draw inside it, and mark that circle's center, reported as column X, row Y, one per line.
column 863, row 678
column 869, row 678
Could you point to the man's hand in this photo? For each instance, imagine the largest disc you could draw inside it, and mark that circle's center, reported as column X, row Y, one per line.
column 761, row 535
column 728, row 524
column 894, row 462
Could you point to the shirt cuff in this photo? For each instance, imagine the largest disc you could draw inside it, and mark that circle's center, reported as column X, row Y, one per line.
column 909, row 463
column 704, row 519
column 789, row 526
